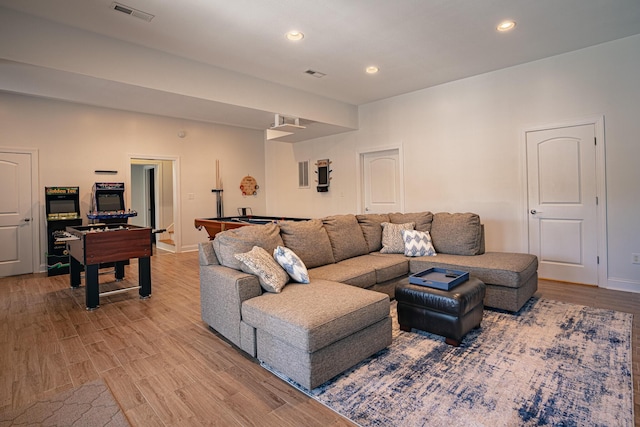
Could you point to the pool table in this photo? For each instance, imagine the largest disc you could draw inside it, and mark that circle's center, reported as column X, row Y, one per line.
column 216, row 225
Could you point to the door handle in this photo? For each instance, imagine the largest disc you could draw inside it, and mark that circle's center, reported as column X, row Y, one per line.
column 27, row 219
column 533, row 212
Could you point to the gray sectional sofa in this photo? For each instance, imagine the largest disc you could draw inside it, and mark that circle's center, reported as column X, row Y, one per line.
column 313, row 331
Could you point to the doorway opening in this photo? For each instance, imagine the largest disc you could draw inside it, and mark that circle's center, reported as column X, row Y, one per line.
column 154, row 195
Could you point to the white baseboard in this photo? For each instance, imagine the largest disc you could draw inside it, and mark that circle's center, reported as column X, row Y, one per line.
column 626, row 285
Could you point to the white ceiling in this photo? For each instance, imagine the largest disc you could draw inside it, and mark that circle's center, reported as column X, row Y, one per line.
column 415, row 43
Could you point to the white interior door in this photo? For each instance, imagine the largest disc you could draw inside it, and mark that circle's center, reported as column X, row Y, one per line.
column 381, row 185
column 562, row 192
column 16, row 225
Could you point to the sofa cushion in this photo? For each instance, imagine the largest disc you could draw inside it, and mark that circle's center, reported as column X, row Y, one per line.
column 243, row 239
column 507, row 269
column 292, row 264
column 345, row 236
column 392, row 242
column 387, row 267
column 371, row 226
column 457, row 233
column 417, row 243
column 422, row 220
column 361, row 275
column 259, row 262
column 337, row 311
column 309, row 240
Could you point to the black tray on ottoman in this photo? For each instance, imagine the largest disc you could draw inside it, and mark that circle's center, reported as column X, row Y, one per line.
column 449, row 313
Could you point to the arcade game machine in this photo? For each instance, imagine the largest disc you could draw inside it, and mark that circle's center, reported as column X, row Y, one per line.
column 62, row 205
column 107, row 204
column 107, row 208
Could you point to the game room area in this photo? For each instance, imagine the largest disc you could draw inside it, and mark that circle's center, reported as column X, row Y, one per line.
column 349, row 213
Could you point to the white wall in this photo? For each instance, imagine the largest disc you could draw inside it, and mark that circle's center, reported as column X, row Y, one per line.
column 75, row 140
column 463, row 147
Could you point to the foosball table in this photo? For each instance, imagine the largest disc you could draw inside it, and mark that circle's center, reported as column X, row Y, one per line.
column 95, row 245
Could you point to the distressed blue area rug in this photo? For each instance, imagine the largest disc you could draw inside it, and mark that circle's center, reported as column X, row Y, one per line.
column 551, row 364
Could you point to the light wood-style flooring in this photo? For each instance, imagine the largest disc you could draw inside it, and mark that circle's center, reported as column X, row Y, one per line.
column 163, row 365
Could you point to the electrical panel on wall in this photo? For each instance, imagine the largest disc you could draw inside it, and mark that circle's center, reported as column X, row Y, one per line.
column 323, row 171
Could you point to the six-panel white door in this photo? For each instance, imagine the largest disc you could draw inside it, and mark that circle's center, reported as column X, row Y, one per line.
column 561, row 173
column 16, row 226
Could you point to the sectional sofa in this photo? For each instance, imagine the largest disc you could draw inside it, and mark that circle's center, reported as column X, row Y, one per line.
column 313, row 331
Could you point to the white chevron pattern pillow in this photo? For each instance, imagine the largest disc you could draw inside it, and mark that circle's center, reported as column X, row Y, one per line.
column 292, row 264
column 417, row 243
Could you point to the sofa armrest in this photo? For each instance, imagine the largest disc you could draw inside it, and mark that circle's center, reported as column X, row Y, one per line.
column 206, row 254
column 222, row 291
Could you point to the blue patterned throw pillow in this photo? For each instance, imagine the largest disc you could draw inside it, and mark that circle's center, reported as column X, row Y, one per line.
column 417, row 243
column 292, row 264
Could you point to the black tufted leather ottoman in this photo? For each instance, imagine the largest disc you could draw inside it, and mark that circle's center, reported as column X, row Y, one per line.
column 450, row 314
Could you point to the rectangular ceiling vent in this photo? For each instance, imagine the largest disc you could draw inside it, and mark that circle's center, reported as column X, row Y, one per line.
column 316, row 74
column 132, row 12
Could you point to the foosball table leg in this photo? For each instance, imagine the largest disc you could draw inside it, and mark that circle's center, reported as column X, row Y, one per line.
column 92, row 291
column 119, row 270
column 74, row 272
column 144, row 276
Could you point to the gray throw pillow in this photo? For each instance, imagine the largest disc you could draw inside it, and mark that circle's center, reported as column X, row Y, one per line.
column 257, row 261
column 392, row 242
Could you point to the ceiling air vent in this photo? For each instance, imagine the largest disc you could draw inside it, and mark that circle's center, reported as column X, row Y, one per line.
column 132, row 12
column 316, row 74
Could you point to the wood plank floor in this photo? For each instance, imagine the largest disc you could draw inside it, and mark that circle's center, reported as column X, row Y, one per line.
column 163, row 365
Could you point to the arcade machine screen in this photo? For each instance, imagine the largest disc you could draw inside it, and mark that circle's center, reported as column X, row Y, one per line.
column 109, row 202
column 62, row 206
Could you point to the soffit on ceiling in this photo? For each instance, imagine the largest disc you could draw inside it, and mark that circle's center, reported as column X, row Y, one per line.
column 416, row 44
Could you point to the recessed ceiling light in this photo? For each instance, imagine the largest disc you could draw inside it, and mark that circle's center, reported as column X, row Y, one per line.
column 294, row 36
column 372, row 69
column 506, row 26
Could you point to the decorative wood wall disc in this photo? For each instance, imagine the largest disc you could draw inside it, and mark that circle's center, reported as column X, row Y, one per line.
column 249, row 186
